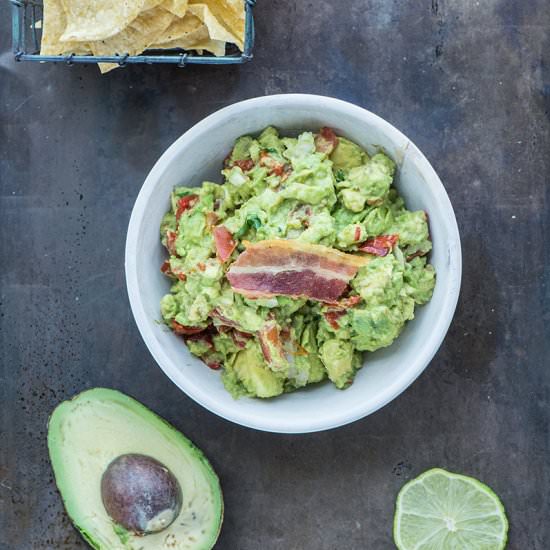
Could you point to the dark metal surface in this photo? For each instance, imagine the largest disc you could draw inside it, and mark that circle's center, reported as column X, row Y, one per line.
column 469, row 82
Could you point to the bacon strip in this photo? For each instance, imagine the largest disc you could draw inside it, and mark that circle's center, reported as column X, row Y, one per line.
column 275, row 168
column 221, row 321
column 332, row 318
column 293, row 268
column 171, row 242
column 336, row 310
column 240, row 338
column 272, row 346
column 244, row 165
column 210, row 358
column 225, row 244
column 211, row 219
column 344, row 303
column 165, row 268
column 185, row 331
column 379, row 246
column 326, row 141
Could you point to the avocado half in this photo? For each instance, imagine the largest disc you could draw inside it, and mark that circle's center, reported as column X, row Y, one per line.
column 88, row 432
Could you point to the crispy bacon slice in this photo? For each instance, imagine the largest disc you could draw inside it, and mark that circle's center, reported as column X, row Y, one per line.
column 211, row 219
column 185, row 331
column 225, row 244
column 344, row 303
column 210, row 358
column 335, row 311
column 240, row 338
column 272, row 346
column 244, row 165
column 178, row 273
column 332, row 318
column 223, row 323
column 275, row 168
column 205, row 337
column 185, row 203
column 326, row 141
column 379, row 246
column 171, row 242
column 222, row 320
column 293, row 268
column 214, row 365
column 165, row 268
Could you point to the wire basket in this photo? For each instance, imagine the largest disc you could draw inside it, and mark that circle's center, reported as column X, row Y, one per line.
column 26, row 43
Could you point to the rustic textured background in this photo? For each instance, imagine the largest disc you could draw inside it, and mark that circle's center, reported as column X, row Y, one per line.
column 469, row 82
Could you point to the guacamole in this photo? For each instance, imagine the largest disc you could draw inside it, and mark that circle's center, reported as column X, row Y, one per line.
column 319, row 192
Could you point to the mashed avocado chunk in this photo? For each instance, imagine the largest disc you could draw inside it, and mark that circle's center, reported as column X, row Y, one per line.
column 316, row 189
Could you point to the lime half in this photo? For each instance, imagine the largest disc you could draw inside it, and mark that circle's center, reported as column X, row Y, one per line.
column 443, row 511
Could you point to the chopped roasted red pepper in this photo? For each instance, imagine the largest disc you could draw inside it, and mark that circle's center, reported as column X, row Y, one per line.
column 357, row 234
column 185, row 203
column 277, row 170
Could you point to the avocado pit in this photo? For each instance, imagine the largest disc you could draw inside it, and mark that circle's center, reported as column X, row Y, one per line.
column 140, row 494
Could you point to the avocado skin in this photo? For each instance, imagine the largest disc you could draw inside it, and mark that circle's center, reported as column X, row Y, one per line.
column 125, row 400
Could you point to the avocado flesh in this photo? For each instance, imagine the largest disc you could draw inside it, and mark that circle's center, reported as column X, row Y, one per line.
column 98, row 425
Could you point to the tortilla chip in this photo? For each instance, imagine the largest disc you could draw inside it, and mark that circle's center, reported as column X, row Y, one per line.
column 182, row 33
column 89, row 20
column 177, row 7
column 135, row 38
column 229, row 13
column 54, row 25
column 150, row 4
column 217, row 47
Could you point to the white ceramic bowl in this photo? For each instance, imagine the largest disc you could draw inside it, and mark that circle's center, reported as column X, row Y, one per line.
column 197, row 156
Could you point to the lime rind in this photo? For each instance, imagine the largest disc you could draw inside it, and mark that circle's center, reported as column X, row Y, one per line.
column 424, row 503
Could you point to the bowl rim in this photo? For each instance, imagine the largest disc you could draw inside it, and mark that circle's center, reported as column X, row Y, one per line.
column 199, row 394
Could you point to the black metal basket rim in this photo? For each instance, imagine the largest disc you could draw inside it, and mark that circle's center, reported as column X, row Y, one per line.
column 180, row 60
